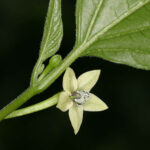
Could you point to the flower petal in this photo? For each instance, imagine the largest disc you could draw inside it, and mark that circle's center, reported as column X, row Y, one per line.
column 64, row 102
column 94, row 104
column 87, row 80
column 76, row 116
column 69, row 80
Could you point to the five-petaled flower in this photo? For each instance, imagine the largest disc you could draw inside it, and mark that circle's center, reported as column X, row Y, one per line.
column 76, row 97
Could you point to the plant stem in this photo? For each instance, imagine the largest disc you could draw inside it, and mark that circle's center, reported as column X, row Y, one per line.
column 43, row 84
column 54, row 74
column 20, row 100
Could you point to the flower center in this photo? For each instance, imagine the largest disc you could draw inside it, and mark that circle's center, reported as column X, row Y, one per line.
column 80, row 97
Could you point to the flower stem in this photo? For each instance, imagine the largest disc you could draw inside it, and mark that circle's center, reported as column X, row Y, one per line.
column 34, row 108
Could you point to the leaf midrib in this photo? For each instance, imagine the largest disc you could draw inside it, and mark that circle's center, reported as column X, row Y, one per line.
column 93, row 20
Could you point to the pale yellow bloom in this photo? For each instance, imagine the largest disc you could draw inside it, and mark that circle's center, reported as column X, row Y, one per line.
column 76, row 97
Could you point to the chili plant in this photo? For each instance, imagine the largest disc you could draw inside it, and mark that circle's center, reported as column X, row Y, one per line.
column 114, row 30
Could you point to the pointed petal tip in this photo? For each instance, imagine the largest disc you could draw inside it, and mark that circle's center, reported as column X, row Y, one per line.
column 98, row 71
column 87, row 80
column 76, row 117
column 105, row 107
column 70, row 69
column 95, row 104
column 76, row 132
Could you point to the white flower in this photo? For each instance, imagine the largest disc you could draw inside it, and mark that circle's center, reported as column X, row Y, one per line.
column 76, row 97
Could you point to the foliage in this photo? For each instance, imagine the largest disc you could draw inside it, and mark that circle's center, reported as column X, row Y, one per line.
column 115, row 30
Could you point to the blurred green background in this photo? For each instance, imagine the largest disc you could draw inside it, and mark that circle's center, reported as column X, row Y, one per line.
column 125, row 126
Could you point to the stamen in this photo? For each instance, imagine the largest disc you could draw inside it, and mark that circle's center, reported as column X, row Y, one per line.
column 80, row 97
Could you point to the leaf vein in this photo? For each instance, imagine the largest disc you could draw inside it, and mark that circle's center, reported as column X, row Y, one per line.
column 125, row 33
column 113, row 23
column 92, row 22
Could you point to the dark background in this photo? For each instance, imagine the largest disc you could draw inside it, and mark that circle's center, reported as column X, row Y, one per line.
column 125, row 126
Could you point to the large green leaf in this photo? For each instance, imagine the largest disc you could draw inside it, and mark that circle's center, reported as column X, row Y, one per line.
column 53, row 32
column 116, row 30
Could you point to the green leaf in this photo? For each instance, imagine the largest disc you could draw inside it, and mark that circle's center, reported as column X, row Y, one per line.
column 52, row 37
column 53, row 30
column 115, row 30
